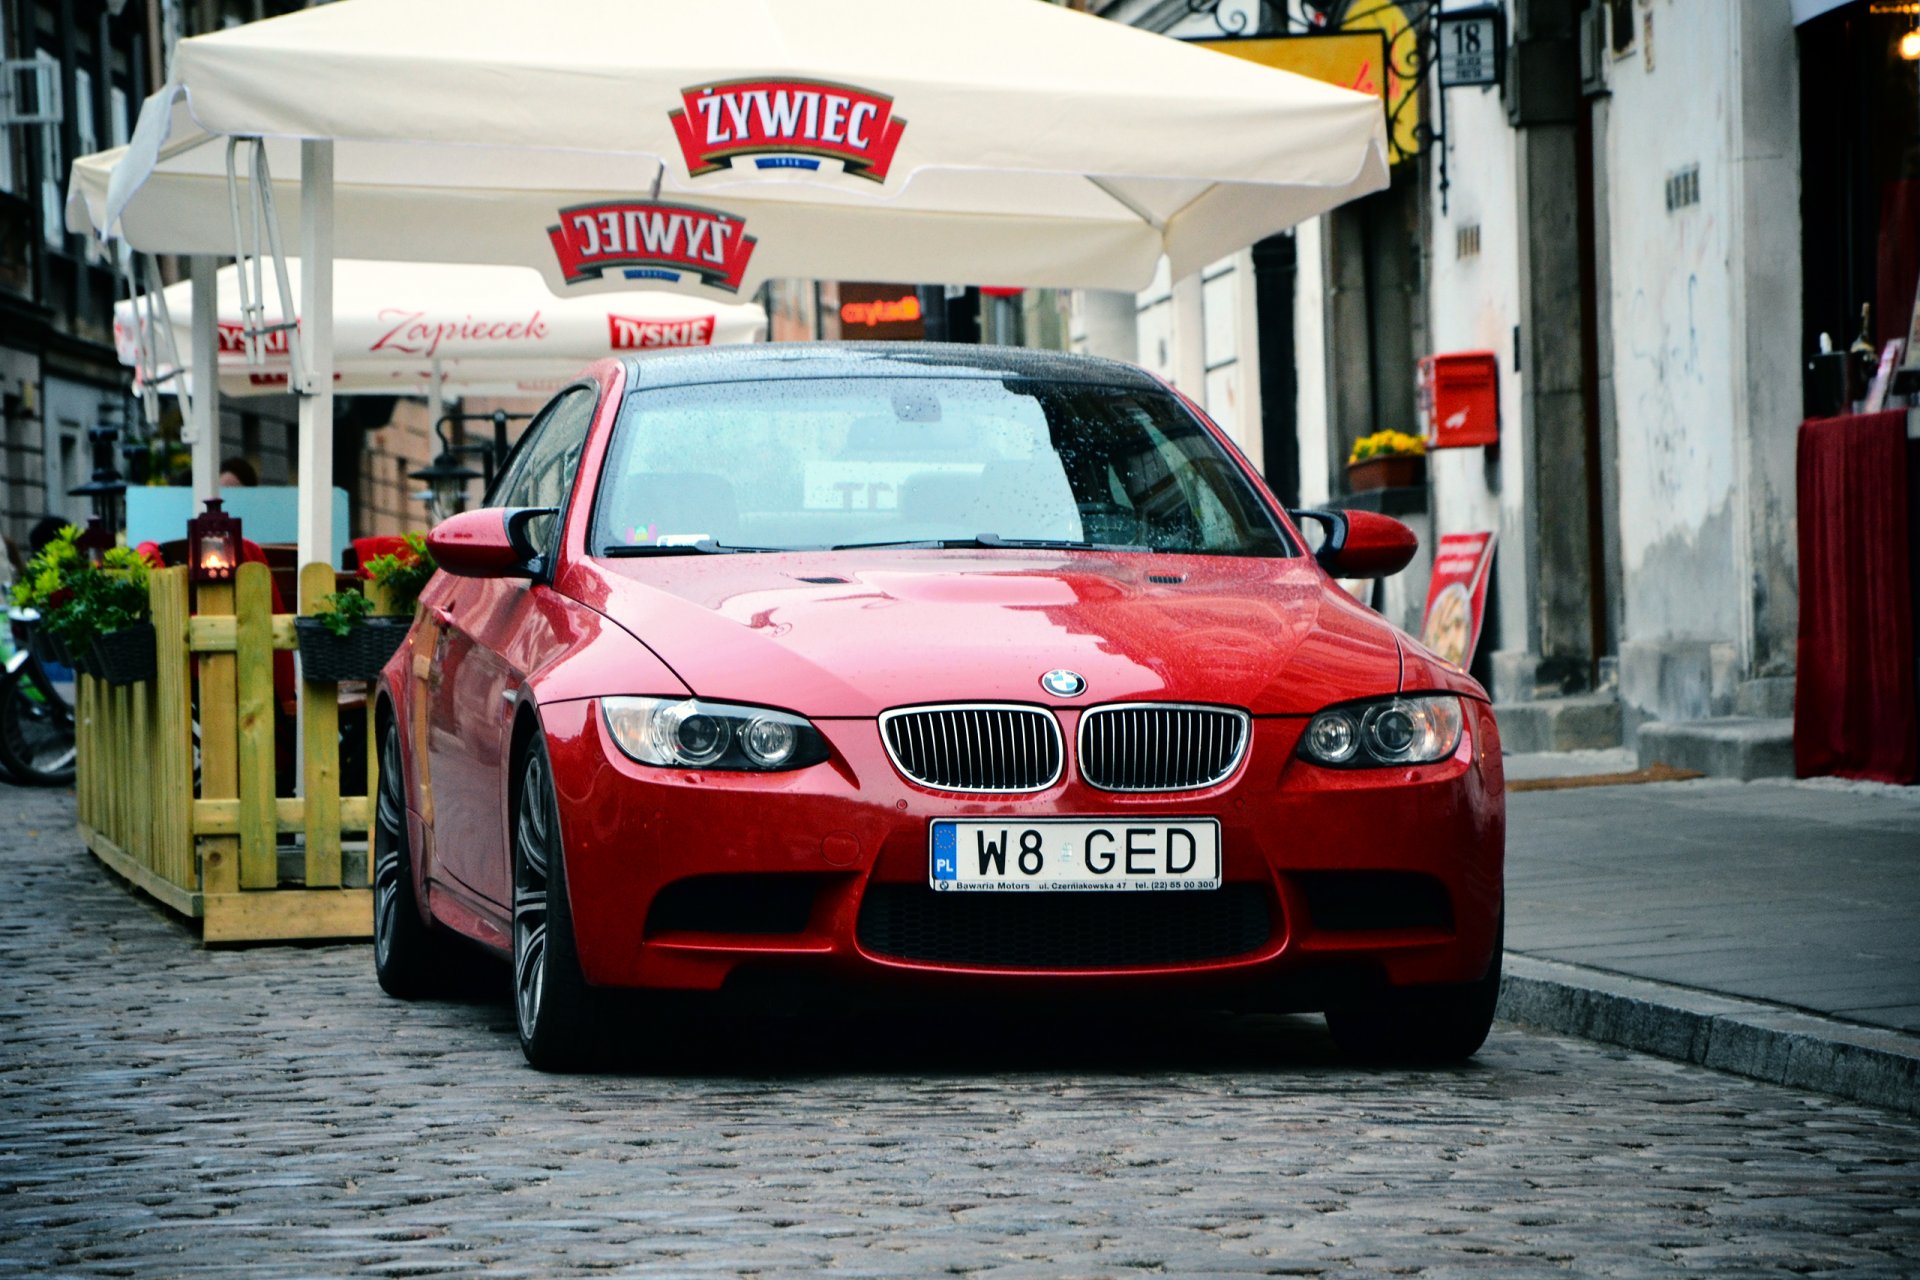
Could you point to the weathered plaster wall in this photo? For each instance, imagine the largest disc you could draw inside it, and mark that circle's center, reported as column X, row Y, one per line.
column 1475, row 305
column 1673, row 327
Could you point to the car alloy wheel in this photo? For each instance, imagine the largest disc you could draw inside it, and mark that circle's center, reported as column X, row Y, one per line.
column 553, row 1006
column 407, row 957
column 532, row 841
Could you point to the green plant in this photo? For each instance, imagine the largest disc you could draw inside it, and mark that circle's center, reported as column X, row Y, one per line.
column 46, row 580
column 403, row 574
column 102, row 598
column 342, row 611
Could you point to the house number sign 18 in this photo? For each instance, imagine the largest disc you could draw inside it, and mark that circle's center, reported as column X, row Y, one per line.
column 1469, row 44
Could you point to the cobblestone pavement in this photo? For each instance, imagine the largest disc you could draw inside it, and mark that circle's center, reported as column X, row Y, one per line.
column 167, row 1111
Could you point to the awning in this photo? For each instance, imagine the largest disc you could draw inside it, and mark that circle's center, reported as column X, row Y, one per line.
column 718, row 144
column 490, row 330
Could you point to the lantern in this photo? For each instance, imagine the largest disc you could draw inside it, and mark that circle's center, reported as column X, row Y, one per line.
column 213, row 544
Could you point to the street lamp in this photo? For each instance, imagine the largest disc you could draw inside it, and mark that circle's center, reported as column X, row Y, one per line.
column 446, row 478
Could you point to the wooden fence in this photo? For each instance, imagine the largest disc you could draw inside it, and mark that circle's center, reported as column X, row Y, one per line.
column 249, row 864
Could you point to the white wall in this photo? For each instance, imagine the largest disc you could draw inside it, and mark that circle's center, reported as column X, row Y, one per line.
column 1673, row 295
column 1475, row 303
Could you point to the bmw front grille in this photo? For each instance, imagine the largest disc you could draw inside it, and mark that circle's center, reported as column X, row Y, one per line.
column 1161, row 746
column 975, row 746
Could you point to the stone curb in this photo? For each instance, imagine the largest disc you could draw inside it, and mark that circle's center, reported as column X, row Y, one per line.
column 1746, row 1037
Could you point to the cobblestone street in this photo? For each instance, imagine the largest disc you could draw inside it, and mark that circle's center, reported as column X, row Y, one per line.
column 166, row 1110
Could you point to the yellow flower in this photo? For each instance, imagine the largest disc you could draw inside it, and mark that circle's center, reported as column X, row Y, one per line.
column 1387, row 443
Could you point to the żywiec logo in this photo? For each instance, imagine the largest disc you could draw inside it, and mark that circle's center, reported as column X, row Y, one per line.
column 630, row 333
column 651, row 240
column 786, row 124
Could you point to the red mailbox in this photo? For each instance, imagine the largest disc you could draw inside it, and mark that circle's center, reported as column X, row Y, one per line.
column 1460, row 398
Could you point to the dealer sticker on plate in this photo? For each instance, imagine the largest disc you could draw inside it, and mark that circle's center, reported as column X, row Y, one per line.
column 1074, row 854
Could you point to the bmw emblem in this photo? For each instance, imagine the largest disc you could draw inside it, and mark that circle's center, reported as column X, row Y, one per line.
column 1063, row 683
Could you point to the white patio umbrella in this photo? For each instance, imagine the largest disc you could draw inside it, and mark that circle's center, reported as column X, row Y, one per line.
column 716, row 144
column 482, row 330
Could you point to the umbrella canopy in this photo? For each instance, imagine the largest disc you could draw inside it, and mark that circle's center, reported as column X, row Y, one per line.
column 714, row 145
column 491, row 330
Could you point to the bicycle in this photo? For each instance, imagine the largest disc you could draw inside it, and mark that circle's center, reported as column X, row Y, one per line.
column 36, row 720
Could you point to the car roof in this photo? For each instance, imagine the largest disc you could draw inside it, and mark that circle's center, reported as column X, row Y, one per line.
column 771, row 361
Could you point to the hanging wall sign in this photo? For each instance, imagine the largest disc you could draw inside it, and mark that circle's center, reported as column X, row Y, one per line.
column 1469, row 43
column 1457, row 596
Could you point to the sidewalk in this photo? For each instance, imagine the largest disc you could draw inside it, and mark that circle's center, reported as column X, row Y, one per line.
column 1769, row 927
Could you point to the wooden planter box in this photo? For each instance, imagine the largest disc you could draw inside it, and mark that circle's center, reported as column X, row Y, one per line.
column 125, row 656
column 1388, row 471
column 176, row 778
column 358, row 655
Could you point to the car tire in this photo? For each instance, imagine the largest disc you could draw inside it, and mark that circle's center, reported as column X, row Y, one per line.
column 408, row 957
column 554, row 1008
column 1423, row 1024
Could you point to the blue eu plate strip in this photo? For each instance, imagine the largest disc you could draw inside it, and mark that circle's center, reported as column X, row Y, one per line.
column 946, row 851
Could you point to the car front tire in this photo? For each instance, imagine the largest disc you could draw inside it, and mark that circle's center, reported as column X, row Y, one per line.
column 408, row 958
column 1423, row 1024
column 554, row 1008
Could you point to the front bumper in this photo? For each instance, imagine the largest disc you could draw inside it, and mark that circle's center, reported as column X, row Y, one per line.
column 1317, row 848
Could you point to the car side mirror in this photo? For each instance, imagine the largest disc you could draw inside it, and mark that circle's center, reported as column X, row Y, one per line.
column 1361, row 544
column 492, row 542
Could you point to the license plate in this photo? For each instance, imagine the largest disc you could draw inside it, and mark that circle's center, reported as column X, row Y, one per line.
column 1074, row 854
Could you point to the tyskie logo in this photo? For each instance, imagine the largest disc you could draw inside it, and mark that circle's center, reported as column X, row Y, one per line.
column 630, row 333
column 232, row 340
column 651, row 240
column 787, row 124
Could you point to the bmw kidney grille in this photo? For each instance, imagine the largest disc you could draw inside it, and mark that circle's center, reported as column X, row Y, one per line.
column 1160, row 746
column 977, row 747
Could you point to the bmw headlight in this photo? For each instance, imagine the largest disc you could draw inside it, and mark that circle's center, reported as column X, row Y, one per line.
column 1389, row 731
column 688, row 733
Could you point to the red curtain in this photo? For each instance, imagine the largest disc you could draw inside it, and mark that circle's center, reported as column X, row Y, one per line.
column 1855, row 713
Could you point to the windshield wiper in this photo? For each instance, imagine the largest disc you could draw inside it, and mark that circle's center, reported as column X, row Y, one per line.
column 990, row 541
column 704, row 547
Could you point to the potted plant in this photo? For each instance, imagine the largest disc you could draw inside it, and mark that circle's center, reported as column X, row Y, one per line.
column 46, row 583
column 1387, row 460
column 403, row 574
column 344, row 641
column 104, row 621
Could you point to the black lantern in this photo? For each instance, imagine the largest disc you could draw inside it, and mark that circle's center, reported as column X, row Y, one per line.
column 213, row 544
column 446, row 478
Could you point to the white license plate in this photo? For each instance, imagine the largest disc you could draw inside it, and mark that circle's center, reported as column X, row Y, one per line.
column 1074, row 854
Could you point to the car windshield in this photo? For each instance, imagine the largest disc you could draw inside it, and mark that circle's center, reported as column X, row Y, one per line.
column 848, row 462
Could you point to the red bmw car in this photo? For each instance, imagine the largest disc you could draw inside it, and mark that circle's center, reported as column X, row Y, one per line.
column 930, row 667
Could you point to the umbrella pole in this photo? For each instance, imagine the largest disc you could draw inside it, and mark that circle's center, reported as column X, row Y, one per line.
column 315, row 334
column 205, row 364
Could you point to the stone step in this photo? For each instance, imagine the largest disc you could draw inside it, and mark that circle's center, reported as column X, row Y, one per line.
column 1585, row 722
column 1744, row 747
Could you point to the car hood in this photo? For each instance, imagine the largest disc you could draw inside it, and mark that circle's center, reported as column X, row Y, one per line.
column 855, row 633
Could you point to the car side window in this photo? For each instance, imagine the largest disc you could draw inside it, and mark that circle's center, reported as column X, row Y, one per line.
column 543, row 470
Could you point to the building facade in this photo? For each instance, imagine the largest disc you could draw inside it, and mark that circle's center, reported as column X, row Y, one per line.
column 1650, row 221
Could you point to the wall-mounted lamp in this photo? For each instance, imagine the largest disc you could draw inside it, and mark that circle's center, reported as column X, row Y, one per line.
column 213, row 544
column 1909, row 45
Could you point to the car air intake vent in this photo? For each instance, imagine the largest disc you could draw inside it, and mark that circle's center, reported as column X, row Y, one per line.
column 975, row 747
column 1160, row 746
column 1063, row 930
